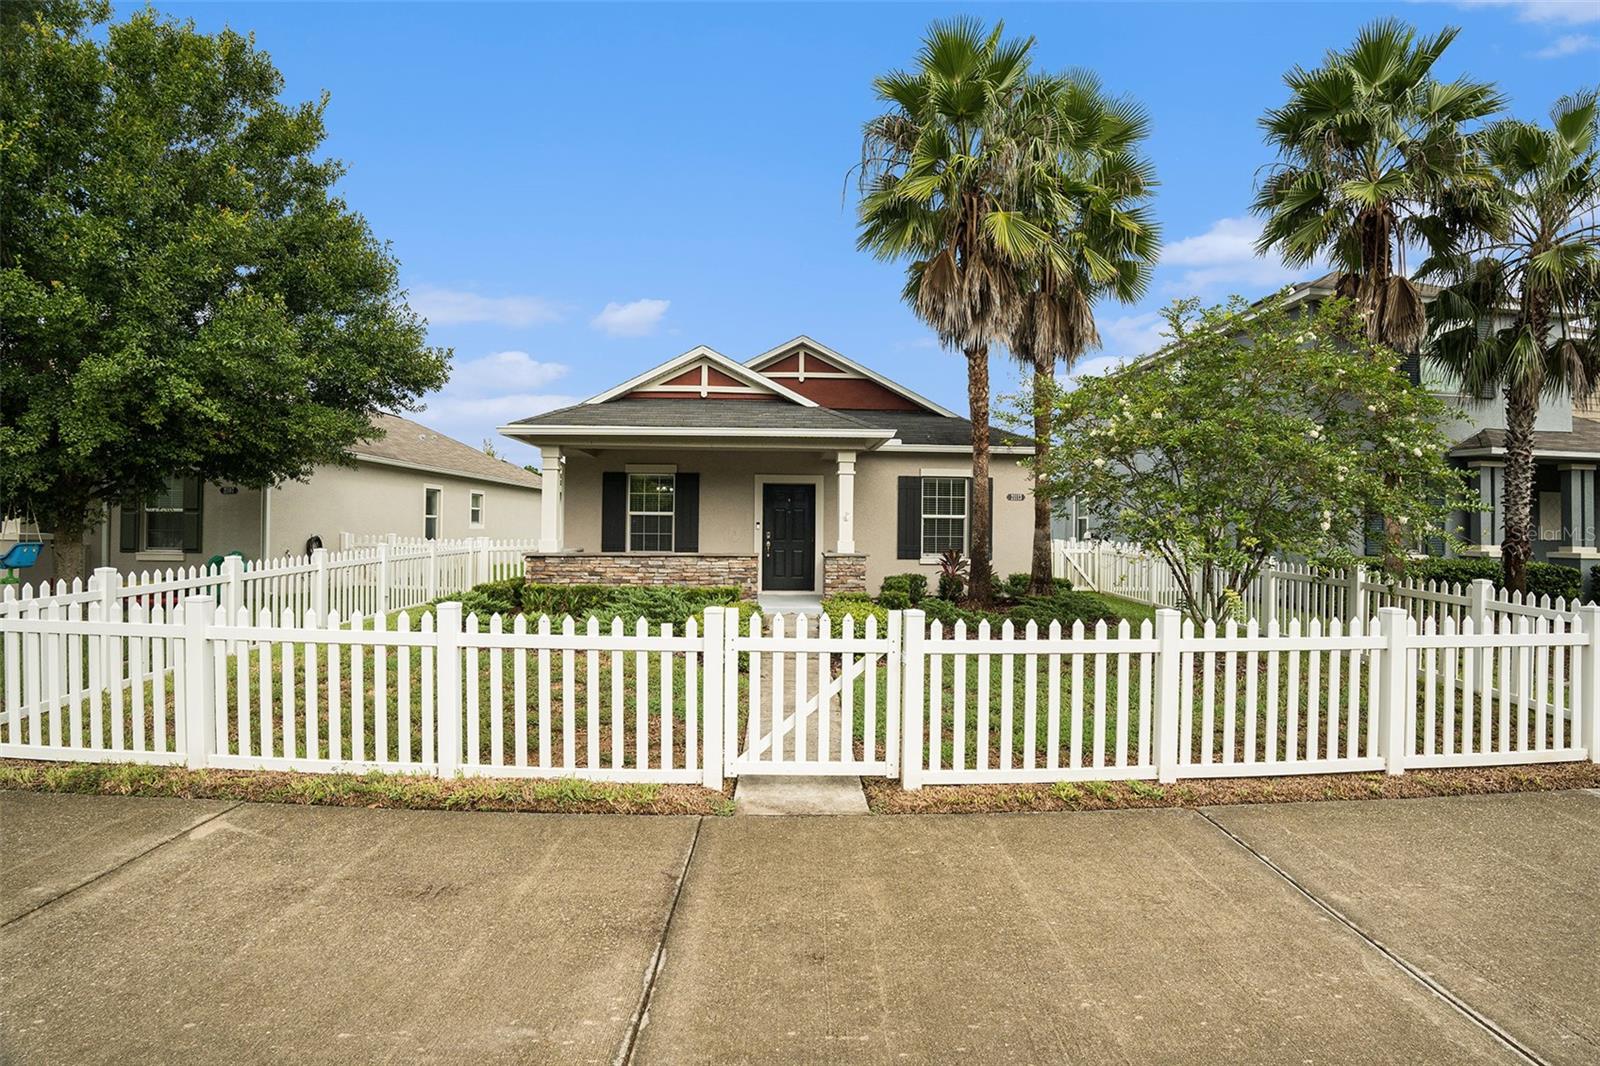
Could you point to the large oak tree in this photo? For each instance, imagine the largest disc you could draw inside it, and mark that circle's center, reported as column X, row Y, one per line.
column 182, row 290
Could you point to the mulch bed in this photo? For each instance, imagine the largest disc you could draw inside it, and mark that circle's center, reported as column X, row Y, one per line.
column 885, row 796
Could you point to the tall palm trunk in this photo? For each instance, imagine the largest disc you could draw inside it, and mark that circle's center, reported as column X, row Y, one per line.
column 1522, row 409
column 979, row 591
column 1043, row 372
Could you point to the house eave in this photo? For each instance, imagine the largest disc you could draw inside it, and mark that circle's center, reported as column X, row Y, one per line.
column 464, row 475
column 697, row 436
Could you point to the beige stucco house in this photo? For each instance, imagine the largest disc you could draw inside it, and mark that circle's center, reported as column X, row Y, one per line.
column 801, row 471
column 411, row 482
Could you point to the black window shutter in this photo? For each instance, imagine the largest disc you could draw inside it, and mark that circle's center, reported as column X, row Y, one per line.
column 192, row 493
column 614, row 511
column 909, row 528
column 128, row 526
column 686, row 513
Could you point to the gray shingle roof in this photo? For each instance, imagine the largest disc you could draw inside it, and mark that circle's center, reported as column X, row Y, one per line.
column 926, row 427
column 412, row 444
column 709, row 414
column 1584, row 439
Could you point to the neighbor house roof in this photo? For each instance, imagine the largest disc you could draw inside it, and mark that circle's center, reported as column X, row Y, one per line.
column 1582, row 442
column 407, row 443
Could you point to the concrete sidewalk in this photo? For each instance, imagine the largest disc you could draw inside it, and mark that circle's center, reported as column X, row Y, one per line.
column 166, row 930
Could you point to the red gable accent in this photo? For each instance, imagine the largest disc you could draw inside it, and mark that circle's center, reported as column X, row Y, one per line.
column 859, row 394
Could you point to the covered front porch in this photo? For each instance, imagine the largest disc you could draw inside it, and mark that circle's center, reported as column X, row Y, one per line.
column 1565, row 508
column 779, row 523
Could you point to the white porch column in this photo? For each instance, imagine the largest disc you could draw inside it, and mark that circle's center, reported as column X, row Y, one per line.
column 550, row 502
column 847, row 503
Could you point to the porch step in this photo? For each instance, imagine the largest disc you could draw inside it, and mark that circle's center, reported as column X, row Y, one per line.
column 777, row 794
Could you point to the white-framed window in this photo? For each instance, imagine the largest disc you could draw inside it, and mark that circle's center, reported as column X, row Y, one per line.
column 944, row 514
column 432, row 497
column 475, row 510
column 651, row 511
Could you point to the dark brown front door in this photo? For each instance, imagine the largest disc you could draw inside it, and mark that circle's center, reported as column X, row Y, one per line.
column 788, row 537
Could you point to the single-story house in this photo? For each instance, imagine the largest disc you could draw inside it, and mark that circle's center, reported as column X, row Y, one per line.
column 411, row 482
column 800, row 471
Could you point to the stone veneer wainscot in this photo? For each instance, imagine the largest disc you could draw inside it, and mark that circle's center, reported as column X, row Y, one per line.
column 585, row 568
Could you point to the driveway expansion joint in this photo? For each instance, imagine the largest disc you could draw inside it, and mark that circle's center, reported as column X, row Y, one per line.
column 630, row 1039
column 1510, row 1042
column 124, row 864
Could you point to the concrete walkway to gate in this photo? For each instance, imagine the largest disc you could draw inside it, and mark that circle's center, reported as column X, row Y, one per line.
column 1418, row 931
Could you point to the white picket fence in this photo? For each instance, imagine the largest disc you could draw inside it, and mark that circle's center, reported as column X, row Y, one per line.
column 1286, row 591
column 389, row 574
column 556, row 698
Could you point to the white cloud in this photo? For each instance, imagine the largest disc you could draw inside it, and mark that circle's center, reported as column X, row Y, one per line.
column 504, row 371
column 636, row 319
column 1225, row 256
column 1125, row 337
column 442, row 307
column 1569, row 44
column 1564, row 12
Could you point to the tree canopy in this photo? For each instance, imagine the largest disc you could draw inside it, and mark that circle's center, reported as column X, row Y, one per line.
column 182, row 289
column 1256, row 432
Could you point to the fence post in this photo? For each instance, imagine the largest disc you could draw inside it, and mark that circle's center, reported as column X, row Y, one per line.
column 912, row 701
column 383, row 578
column 1355, row 593
column 1169, row 692
column 715, row 700
column 484, row 571
column 447, row 676
column 1480, row 593
column 199, row 682
column 1396, row 689
column 232, row 588
column 1269, row 594
column 107, row 582
column 1588, row 695
column 433, row 570
column 319, row 584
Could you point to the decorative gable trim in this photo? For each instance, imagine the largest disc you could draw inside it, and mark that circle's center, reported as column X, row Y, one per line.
column 703, row 372
column 802, row 358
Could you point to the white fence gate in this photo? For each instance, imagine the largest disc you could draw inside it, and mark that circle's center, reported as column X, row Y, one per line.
column 814, row 703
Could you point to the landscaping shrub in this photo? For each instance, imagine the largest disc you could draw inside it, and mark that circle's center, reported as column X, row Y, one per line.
column 894, row 600
column 1593, row 595
column 860, row 608
column 1015, row 586
column 915, row 586
column 1066, row 608
column 674, row 604
column 1544, row 579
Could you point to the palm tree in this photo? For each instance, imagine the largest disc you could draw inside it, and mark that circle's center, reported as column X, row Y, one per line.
column 1374, row 158
column 937, row 169
column 1507, row 321
column 1084, row 182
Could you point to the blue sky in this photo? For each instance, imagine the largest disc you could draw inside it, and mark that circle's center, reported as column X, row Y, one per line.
column 578, row 192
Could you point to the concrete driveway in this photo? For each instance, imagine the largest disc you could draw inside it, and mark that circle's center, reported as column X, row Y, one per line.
column 1450, row 931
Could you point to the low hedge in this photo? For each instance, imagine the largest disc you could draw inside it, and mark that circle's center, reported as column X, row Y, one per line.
column 674, row 604
column 1544, row 579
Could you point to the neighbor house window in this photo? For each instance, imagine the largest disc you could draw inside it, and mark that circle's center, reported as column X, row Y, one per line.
column 650, row 512
column 430, row 513
column 163, row 519
column 475, row 510
column 944, row 514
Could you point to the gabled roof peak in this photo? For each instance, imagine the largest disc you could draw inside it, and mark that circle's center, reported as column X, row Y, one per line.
column 702, row 354
column 773, row 355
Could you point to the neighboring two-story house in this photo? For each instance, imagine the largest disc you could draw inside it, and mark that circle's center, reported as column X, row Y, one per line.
column 1566, row 509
